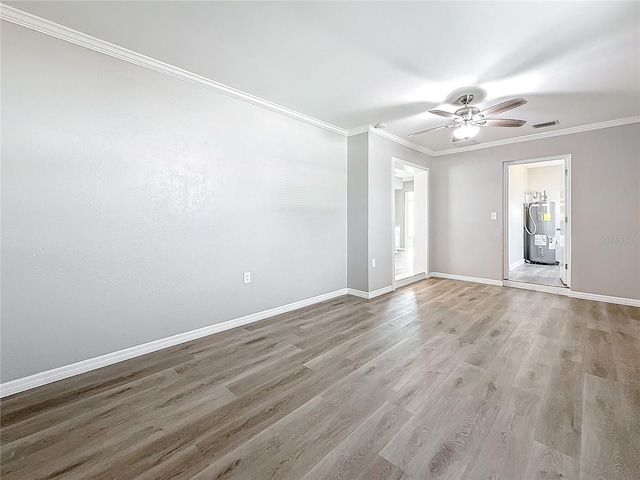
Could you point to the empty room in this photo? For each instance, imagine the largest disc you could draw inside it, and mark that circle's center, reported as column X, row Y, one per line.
column 316, row 240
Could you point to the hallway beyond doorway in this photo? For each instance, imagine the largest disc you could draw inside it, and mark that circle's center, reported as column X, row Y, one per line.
column 404, row 263
column 409, row 221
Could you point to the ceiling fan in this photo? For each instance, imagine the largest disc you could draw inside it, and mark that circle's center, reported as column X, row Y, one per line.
column 468, row 120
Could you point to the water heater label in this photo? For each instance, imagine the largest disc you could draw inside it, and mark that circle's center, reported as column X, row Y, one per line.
column 540, row 240
column 546, row 216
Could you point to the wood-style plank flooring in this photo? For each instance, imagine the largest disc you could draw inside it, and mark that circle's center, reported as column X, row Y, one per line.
column 440, row 379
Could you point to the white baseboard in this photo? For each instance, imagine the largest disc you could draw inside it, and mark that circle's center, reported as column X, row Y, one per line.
column 408, row 280
column 538, row 288
column 60, row 373
column 357, row 293
column 516, row 264
column 631, row 302
column 66, row 371
column 449, row 276
column 381, row 291
column 369, row 295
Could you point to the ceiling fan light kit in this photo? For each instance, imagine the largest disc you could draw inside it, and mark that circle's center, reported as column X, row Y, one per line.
column 468, row 120
column 465, row 131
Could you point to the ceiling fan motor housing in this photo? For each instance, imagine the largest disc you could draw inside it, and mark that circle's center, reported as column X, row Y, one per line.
column 466, row 113
column 465, row 99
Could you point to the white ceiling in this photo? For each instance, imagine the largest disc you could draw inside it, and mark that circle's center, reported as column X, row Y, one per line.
column 358, row 63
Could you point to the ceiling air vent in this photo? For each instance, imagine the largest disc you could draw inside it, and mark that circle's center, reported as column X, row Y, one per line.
column 546, row 124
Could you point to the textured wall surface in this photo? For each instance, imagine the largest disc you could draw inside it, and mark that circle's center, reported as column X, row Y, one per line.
column 132, row 203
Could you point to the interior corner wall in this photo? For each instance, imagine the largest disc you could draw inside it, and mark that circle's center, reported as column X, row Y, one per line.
column 132, row 203
column 605, row 209
column 380, row 194
column 357, row 212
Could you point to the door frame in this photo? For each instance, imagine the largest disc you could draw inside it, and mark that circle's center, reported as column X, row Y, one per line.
column 506, row 215
column 405, row 281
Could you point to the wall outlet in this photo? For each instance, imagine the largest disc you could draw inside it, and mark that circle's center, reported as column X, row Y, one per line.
column 494, row 215
column 246, row 277
column 373, row 263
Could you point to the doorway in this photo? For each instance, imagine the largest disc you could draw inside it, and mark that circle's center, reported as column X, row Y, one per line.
column 537, row 234
column 410, row 222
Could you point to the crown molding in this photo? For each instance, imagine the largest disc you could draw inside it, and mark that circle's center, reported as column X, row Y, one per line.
column 507, row 141
column 389, row 136
column 538, row 136
column 38, row 24
column 61, row 32
column 358, row 130
column 401, row 141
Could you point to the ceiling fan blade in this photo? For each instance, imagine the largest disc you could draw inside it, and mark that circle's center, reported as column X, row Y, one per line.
column 503, row 107
column 442, row 113
column 430, row 129
column 502, row 122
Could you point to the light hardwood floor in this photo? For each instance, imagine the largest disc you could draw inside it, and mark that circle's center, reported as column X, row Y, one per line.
column 440, row 379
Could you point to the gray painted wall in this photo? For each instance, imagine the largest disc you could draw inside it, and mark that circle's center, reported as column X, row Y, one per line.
column 122, row 222
column 605, row 206
column 357, row 212
column 369, row 199
column 381, row 152
column 132, row 202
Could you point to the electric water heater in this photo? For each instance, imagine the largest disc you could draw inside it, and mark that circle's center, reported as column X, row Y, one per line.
column 539, row 232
